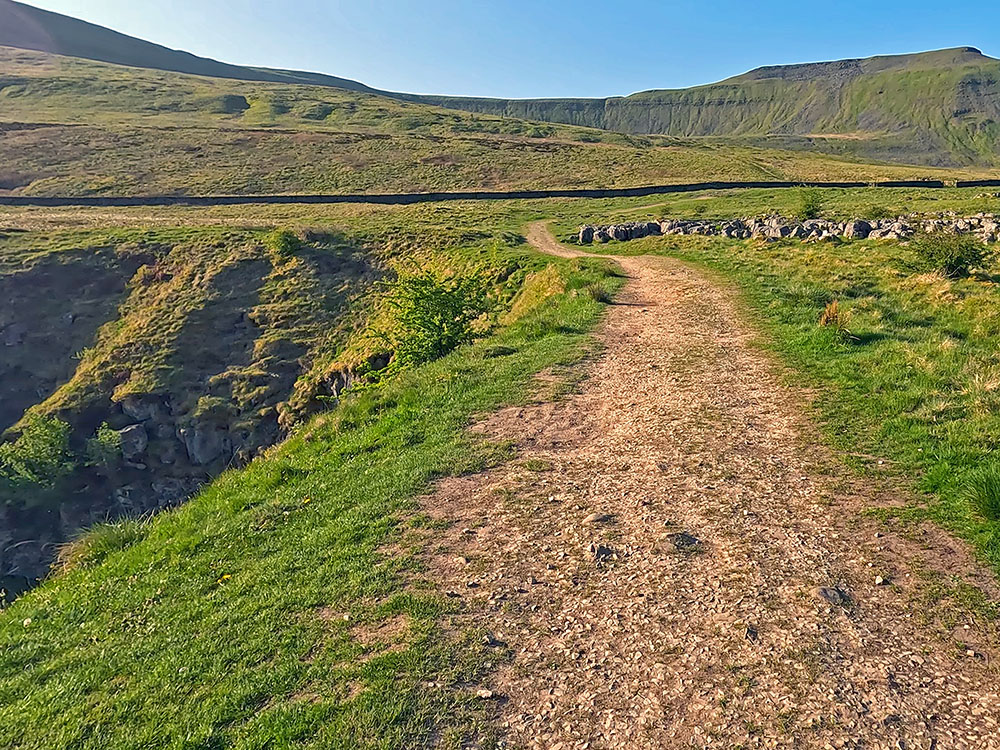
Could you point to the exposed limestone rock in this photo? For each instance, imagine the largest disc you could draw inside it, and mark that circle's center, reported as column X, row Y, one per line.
column 205, row 443
column 152, row 496
column 13, row 335
column 619, row 232
column 148, row 408
column 134, row 440
column 859, row 229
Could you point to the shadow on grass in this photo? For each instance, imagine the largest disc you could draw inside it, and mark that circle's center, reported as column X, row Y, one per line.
column 866, row 339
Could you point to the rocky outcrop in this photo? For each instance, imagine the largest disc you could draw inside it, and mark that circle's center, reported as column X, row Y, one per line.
column 149, row 496
column 13, row 335
column 205, row 443
column 859, row 229
column 145, row 408
column 133, row 440
column 984, row 226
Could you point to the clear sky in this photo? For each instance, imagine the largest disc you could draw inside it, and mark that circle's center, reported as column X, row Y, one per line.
column 525, row 48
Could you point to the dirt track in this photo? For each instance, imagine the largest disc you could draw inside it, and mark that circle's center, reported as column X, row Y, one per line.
column 674, row 560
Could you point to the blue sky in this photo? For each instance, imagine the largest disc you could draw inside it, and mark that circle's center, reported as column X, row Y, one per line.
column 519, row 48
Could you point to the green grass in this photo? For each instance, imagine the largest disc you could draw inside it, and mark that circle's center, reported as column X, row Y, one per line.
column 234, row 621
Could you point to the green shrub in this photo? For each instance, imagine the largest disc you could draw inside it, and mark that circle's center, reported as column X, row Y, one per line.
column 952, row 255
column 39, row 457
column 104, row 450
column 431, row 315
column 875, row 212
column 283, row 243
column 810, row 204
column 982, row 491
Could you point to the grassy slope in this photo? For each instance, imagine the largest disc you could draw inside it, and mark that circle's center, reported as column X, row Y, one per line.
column 211, row 322
column 209, row 327
column 176, row 320
column 268, row 610
column 937, row 108
column 102, row 129
column 29, row 27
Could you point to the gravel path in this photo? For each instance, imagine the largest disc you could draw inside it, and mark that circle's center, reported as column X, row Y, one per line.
column 674, row 560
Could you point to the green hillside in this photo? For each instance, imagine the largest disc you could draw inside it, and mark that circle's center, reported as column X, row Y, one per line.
column 938, row 108
column 193, row 350
column 75, row 127
column 27, row 27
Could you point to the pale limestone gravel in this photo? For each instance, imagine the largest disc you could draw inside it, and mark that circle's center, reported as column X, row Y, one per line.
column 682, row 425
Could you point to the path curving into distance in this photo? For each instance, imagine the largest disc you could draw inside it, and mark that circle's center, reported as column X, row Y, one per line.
column 473, row 195
column 675, row 559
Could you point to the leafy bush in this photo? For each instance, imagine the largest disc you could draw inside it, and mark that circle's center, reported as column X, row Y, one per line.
column 983, row 493
column 39, row 457
column 104, row 450
column 952, row 255
column 431, row 315
column 282, row 243
column 810, row 204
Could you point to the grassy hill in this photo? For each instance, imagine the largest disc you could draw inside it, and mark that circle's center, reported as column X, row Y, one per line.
column 937, row 108
column 76, row 127
column 28, row 27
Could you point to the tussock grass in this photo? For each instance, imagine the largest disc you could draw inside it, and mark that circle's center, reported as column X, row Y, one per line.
column 600, row 294
column 982, row 490
column 95, row 545
column 836, row 319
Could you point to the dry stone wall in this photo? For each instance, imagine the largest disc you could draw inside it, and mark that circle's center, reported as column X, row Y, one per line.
column 984, row 226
